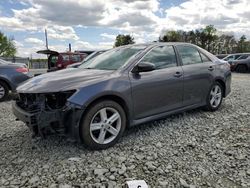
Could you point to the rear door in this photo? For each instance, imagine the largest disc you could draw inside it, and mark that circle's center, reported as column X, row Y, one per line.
column 198, row 72
column 160, row 90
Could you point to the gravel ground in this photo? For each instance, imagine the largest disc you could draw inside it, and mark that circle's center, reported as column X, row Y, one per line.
column 192, row 149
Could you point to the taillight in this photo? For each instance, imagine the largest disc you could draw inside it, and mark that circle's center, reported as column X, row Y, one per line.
column 22, row 70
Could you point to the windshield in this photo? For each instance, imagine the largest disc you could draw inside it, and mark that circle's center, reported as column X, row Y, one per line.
column 113, row 59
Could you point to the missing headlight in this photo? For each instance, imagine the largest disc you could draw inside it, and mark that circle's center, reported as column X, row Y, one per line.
column 57, row 100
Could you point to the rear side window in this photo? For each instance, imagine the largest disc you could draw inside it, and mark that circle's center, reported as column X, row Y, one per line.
column 162, row 57
column 65, row 58
column 189, row 55
column 243, row 57
column 76, row 58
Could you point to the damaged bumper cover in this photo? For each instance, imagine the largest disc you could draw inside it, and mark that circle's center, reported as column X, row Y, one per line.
column 42, row 118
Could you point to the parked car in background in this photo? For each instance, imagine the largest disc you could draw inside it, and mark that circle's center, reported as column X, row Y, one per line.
column 94, row 54
column 241, row 65
column 232, row 57
column 60, row 60
column 221, row 56
column 244, row 56
column 11, row 74
column 241, row 57
column 122, row 87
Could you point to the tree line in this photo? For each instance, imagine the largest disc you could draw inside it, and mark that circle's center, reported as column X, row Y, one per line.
column 207, row 38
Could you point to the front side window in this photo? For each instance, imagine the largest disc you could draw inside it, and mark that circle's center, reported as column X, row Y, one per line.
column 189, row 55
column 204, row 58
column 162, row 57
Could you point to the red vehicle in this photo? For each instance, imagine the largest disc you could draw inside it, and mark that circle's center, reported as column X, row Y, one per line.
column 60, row 60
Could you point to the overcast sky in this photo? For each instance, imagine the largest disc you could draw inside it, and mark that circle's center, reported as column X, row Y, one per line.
column 93, row 24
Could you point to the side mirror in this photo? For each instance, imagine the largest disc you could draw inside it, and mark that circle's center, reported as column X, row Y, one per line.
column 143, row 67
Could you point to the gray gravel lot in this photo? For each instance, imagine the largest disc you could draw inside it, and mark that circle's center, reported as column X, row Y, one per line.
column 192, row 149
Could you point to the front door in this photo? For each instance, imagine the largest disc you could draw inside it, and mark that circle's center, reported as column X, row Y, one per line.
column 159, row 90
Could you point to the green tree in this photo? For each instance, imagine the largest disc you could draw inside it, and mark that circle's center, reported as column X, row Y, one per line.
column 226, row 44
column 243, row 44
column 171, row 36
column 123, row 40
column 210, row 37
column 7, row 46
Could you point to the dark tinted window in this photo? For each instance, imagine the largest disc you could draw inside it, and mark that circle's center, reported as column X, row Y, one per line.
column 189, row 55
column 237, row 56
column 242, row 57
column 53, row 60
column 162, row 57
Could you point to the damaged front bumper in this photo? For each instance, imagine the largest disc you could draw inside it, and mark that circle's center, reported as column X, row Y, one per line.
column 43, row 121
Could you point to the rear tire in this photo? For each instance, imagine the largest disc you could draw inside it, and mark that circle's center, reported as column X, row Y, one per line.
column 214, row 97
column 241, row 69
column 102, row 125
column 4, row 91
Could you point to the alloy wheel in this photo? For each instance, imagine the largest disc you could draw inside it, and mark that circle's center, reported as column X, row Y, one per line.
column 105, row 125
column 215, row 96
column 2, row 91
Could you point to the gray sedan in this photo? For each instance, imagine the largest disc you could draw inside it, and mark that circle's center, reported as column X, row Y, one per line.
column 122, row 87
column 11, row 74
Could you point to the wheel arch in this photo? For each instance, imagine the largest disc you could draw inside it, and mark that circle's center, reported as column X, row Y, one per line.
column 223, row 84
column 6, row 82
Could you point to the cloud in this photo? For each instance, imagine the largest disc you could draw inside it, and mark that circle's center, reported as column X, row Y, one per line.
column 193, row 14
column 61, row 33
column 108, row 36
column 82, row 45
column 18, row 44
column 35, row 41
column 144, row 19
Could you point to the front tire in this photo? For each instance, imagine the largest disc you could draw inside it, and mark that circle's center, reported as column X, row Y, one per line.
column 102, row 125
column 4, row 91
column 214, row 97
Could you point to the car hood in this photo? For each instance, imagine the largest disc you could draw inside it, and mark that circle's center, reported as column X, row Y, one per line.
column 63, row 80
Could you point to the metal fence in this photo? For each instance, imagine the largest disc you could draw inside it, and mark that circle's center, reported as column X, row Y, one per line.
column 30, row 64
column 17, row 60
column 38, row 65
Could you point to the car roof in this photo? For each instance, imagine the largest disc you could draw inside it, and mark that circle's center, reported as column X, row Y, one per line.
column 240, row 54
column 152, row 44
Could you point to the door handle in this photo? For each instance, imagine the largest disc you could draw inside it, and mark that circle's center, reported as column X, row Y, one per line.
column 177, row 74
column 211, row 68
